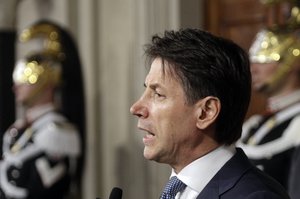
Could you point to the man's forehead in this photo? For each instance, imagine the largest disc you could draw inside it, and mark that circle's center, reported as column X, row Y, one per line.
column 156, row 72
column 159, row 75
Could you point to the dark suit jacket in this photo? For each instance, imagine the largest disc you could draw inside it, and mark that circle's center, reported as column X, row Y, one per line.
column 239, row 179
column 294, row 183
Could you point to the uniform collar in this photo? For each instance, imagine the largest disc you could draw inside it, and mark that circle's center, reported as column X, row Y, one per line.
column 278, row 103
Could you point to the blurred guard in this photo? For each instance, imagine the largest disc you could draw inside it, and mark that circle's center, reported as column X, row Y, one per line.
column 42, row 149
column 270, row 139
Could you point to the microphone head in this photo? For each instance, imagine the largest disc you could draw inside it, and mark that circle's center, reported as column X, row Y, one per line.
column 116, row 193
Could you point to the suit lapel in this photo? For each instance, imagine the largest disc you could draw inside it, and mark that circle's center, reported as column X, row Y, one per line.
column 227, row 177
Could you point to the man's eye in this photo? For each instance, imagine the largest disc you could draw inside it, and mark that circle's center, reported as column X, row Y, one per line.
column 158, row 95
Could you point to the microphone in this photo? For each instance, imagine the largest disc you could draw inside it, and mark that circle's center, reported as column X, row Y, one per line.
column 116, row 193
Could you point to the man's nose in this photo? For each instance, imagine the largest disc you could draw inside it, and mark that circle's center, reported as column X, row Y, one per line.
column 138, row 109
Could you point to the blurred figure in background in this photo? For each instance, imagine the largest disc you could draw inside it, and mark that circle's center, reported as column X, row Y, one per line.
column 43, row 150
column 270, row 139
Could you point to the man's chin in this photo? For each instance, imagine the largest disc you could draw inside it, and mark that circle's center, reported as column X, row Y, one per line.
column 148, row 154
column 24, row 103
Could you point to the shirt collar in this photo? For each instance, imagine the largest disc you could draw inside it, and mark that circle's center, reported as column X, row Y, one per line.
column 197, row 174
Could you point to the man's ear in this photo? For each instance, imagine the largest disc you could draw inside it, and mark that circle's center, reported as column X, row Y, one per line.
column 207, row 111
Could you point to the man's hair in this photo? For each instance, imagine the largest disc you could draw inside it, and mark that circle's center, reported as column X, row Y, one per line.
column 207, row 65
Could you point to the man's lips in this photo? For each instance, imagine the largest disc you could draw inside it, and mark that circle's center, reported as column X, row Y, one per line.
column 148, row 137
column 145, row 129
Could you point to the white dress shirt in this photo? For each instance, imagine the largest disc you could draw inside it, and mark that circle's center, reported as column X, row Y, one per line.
column 197, row 174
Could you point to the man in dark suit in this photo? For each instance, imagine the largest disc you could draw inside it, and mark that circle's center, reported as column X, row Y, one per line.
column 196, row 96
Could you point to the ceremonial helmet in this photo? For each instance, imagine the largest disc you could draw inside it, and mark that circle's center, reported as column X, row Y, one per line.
column 279, row 43
column 41, row 65
column 276, row 45
column 40, row 70
column 62, row 68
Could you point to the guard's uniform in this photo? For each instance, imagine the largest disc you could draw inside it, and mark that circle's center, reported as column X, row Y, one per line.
column 39, row 160
column 269, row 141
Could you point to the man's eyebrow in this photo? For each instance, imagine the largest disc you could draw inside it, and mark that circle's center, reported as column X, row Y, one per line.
column 153, row 86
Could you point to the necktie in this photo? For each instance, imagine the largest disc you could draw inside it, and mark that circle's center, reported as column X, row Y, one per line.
column 172, row 188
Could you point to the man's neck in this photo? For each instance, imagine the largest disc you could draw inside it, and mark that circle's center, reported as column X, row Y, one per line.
column 35, row 112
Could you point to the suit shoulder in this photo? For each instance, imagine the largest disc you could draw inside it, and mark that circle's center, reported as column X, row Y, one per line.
column 260, row 185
